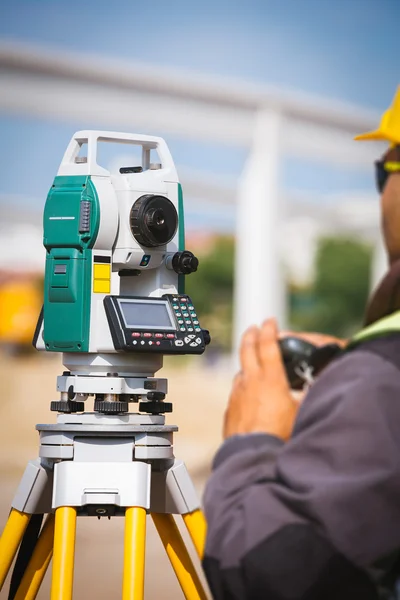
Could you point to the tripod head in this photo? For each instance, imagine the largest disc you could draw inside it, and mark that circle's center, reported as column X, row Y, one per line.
column 114, row 300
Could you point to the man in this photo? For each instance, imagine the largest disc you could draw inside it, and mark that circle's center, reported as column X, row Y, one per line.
column 305, row 503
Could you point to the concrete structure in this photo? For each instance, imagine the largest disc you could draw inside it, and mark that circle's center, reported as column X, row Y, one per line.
column 268, row 122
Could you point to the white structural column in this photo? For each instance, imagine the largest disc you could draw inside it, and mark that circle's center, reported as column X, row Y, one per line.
column 259, row 280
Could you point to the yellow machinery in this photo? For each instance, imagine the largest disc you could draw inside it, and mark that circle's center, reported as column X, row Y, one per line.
column 20, row 304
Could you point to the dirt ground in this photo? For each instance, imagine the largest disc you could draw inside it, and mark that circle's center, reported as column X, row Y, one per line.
column 199, row 395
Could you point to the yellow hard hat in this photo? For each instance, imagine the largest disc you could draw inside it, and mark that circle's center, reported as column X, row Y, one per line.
column 389, row 127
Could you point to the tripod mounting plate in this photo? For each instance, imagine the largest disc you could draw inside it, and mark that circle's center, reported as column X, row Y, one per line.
column 111, row 385
column 106, row 430
column 104, row 425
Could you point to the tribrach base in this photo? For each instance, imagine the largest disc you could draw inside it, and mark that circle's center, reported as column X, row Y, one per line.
column 98, row 465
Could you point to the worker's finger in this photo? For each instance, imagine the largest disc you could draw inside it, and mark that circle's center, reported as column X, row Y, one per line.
column 248, row 350
column 268, row 349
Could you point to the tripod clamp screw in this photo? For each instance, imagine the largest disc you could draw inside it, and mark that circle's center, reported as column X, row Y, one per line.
column 158, row 396
column 155, row 408
column 155, row 404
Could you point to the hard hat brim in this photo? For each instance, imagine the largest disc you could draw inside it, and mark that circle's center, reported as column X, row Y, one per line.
column 377, row 135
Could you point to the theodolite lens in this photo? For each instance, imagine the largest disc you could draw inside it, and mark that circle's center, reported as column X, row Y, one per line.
column 153, row 220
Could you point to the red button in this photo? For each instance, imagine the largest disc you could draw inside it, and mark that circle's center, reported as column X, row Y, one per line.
column 183, row 299
column 170, row 336
column 135, row 334
column 158, row 343
column 159, row 335
column 147, row 335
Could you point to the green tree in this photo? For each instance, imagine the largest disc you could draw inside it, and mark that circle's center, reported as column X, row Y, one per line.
column 336, row 301
column 211, row 289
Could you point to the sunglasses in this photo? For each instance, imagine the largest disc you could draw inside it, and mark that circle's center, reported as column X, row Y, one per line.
column 383, row 170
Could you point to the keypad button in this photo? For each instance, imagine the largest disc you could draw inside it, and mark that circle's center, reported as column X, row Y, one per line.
column 151, row 343
column 142, row 342
column 187, row 339
column 190, row 307
column 178, row 314
column 175, row 306
column 180, row 321
column 170, row 336
column 195, row 322
column 159, row 335
column 134, row 342
column 197, row 329
column 183, row 299
column 185, row 314
column 188, row 321
column 135, row 334
column 198, row 340
column 183, row 328
column 178, row 342
column 194, row 315
column 194, row 344
column 158, row 343
column 190, row 328
column 147, row 335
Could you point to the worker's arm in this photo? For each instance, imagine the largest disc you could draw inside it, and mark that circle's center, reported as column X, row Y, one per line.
column 310, row 519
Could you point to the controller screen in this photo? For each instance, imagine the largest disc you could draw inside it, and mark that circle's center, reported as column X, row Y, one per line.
column 148, row 315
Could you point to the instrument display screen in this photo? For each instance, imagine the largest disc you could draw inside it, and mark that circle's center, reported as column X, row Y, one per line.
column 147, row 315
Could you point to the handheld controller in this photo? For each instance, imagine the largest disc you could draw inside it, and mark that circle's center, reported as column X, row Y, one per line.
column 302, row 359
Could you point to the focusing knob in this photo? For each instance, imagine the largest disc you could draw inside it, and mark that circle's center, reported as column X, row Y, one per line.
column 184, row 262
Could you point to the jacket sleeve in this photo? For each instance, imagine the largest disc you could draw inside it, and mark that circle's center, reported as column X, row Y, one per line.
column 309, row 519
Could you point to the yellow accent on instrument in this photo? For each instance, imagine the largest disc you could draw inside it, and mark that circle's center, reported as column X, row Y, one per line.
column 101, row 278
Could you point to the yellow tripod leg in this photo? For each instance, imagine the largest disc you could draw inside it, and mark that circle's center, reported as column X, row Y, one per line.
column 179, row 557
column 134, row 553
column 63, row 557
column 40, row 559
column 10, row 540
column 197, row 527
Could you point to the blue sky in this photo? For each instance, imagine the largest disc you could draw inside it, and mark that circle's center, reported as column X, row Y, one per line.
column 343, row 49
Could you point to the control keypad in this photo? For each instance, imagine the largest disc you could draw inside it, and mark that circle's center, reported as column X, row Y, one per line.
column 187, row 320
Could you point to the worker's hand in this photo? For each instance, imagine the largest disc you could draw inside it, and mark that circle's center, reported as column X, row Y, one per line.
column 318, row 339
column 260, row 400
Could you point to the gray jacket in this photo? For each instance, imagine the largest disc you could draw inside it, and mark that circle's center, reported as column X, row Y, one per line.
column 317, row 518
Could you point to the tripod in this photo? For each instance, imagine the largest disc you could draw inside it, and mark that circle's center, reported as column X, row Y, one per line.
column 104, row 465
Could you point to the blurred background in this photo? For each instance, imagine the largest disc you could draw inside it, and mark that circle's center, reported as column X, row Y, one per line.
column 258, row 102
